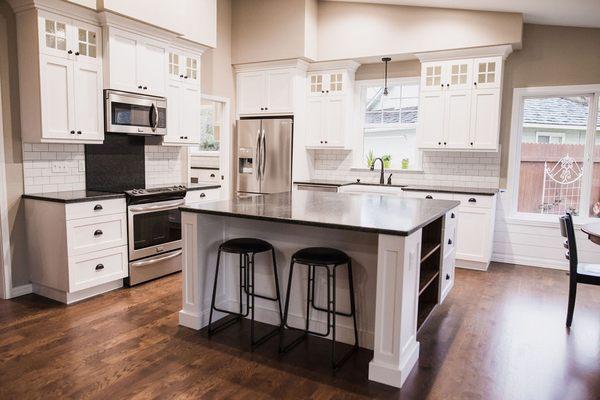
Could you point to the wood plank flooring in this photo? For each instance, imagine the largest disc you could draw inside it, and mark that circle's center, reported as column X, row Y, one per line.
column 499, row 335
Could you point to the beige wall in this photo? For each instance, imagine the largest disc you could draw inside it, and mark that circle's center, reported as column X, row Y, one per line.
column 358, row 30
column 217, row 74
column 12, row 143
column 265, row 30
column 396, row 69
column 551, row 56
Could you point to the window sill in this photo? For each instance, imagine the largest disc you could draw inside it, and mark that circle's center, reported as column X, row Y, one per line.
column 410, row 171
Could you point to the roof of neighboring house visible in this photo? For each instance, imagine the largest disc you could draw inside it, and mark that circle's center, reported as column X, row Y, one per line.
column 565, row 111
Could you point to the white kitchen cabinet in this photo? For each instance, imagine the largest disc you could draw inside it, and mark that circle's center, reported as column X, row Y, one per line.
column 60, row 78
column 183, row 121
column 265, row 92
column 78, row 250
column 202, row 195
column 459, row 106
column 134, row 63
column 184, row 67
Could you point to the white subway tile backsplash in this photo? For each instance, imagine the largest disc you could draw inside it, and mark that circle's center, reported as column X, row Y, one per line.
column 37, row 167
column 164, row 165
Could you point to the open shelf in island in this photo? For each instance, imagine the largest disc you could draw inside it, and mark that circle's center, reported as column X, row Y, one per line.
column 429, row 276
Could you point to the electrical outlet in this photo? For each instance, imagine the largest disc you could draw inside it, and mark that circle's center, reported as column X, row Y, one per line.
column 60, row 167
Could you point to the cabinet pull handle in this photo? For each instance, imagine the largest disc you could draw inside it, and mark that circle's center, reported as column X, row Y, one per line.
column 97, row 207
column 202, row 194
column 79, row 132
column 72, row 132
column 145, row 87
column 99, row 267
column 212, row 175
column 76, row 53
column 449, row 241
column 452, row 215
column 140, row 86
column 70, row 52
column 429, row 196
column 447, row 277
column 98, row 232
column 472, row 200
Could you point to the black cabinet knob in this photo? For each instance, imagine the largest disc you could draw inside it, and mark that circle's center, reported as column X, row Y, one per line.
column 79, row 132
column 72, row 132
column 429, row 196
column 447, row 277
column 442, row 85
column 70, row 52
column 98, row 232
column 439, row 143
column 212, row 175
column 447, row 85
column 326, row 141
column 322, row 91
column 444, row 143
column 266, row 108
column 185, row 137
column 262, row 108
column 449, row 241
column 321, row 141
column 202, row 194
column 97, row 207
column 185, row 77
column 145, row 87
column 472, row 200
column 181, row 76
column 99, row 267
column 76, row 53
column 471, row 143
column 452, row 215
column 327, row 91
column 475, row 83
column 139, row 87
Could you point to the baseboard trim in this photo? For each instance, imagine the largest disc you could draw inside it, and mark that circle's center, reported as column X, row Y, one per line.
column 21, row 290
column 74, row 297
column 529, row 261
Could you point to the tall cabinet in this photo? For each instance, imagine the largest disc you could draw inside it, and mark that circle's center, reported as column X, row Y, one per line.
column 60, row 76
column 460, row 100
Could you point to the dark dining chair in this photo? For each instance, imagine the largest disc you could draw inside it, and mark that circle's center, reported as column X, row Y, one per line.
column 578, row 272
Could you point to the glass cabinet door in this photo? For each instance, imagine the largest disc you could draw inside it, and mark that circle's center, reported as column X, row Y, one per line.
column 175, row 65
column 88, row 46
column 54, row 36
column 431, row 77
column 459, row 74
column 317, row 86
column 336, row 83
column 487, row 72
column 191, row 69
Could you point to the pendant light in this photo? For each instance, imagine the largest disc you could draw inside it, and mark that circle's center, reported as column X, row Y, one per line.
column 385, row 88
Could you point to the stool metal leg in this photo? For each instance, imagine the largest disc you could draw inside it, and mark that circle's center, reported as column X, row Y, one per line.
column 331, row 283
column 277, row 293
column 352, row 302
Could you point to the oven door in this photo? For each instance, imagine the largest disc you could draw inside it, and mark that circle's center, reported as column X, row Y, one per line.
column 154, row 228
column 135, row 114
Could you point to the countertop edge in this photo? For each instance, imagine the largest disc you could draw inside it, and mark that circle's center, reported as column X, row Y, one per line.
column 42, row 197
column 412, row 188
column 186, row 208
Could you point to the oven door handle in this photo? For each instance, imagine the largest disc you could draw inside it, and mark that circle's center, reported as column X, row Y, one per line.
column 155, row 260
column 157, row 207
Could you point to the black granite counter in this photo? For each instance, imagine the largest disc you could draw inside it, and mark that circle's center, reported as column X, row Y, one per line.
column 361, row 212
column 201, row 186
column 74, row 196
column 323, row 182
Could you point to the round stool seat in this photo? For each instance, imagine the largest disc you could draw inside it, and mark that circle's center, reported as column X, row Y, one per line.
column 245, row 245
column 320, row 256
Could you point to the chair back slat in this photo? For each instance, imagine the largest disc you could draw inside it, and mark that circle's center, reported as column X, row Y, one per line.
column 567, row 230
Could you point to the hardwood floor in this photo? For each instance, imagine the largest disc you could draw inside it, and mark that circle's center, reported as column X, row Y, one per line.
column 500, row 335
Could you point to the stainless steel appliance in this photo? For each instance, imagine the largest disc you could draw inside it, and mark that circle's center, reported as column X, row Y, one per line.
column 264, row 155
column 154, row 229
column 135, row 114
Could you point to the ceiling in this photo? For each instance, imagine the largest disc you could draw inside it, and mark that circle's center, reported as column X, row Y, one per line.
column 583, row 13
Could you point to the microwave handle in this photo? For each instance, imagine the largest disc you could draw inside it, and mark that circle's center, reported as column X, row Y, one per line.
column 153, row 116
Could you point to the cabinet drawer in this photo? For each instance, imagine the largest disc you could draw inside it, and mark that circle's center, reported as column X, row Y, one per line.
column 447, row 278
column 95, row 208
column 449, row 239
column 96, row 268
column 472, row 200
column 195, row 196
column 85, row 235
column 206, row 175
column 428, row 195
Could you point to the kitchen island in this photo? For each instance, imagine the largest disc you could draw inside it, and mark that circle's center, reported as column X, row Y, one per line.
column 402, row 252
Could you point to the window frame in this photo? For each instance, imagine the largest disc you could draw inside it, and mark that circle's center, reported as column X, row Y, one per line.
column 560, row 135
column 360, row 88
column 514, row 159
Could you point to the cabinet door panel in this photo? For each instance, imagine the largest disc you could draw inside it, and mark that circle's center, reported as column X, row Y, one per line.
column 55, row 38
column 251, row 92
column 88, row 101
column 485, row 119
column 487, row 72
column 56, row 76
column 314, row 115
column 472, row 234
column 457, row 119
column 123, row 62
column 151, row 72
column 87, row 42
column 279, row 92
column 431, row 120
column 432, row 76
column 334, row 121
column 191, row 114
column 459, row 74
column 174, row 112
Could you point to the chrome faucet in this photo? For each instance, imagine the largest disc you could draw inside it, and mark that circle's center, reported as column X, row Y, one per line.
column 381, row 180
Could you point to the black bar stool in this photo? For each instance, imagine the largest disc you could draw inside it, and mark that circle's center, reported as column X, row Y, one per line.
column 329, row 259
column 247, row 248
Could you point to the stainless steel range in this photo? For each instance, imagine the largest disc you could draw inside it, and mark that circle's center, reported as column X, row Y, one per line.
column 154, row 229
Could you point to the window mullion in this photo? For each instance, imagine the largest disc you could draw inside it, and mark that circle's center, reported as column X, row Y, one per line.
column 588, row 158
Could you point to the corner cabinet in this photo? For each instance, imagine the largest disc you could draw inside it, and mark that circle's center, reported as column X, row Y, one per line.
column 329, row 97
column 60, row 77
column 460, row 104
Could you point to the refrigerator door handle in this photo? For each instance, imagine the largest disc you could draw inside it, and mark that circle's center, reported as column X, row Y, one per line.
column 258, row 155
column 264, row 151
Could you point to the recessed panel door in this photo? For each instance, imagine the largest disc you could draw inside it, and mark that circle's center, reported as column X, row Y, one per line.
column 276, row 156
column 457, row 119
column 88, row 101
column 56, row 80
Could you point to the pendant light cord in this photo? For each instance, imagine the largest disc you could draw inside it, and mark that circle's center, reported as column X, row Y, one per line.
column 385, row 86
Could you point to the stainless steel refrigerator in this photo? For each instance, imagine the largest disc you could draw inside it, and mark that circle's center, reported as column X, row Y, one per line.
column 264, row 155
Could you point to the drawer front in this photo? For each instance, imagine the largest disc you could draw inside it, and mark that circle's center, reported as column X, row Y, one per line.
column 428, row 195
column 85, row 235
column 196, row 196
column 95, row 208
column 206, row 175
column 449, row 238
column 472, row 200
column 96, row 268
column 447, row 278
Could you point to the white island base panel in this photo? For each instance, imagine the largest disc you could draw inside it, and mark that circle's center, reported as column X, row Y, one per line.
column 385, row 271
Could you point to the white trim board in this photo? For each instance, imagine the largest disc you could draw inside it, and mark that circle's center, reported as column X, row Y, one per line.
column 5, row 257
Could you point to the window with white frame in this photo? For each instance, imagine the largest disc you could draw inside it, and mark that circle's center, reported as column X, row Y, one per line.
column 556, row 151
column 389, row 123
column 211, row 117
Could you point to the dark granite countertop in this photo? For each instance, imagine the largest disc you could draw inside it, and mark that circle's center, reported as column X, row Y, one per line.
column 368, row 213
column 201, row 186
column 424, row 188
column 74, row 196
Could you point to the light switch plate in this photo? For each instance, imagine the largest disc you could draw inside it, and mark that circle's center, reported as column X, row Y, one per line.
column 59, row 167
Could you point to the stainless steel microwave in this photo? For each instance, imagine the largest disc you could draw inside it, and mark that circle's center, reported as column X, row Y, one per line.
column 135, row 114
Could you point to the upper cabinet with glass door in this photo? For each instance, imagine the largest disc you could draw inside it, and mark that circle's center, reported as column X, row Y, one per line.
column 184, row 67
column 328, row 82
column 488, row 72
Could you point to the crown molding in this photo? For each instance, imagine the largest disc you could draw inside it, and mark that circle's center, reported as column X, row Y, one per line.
column 474, row 52
column 60, row 7
column 349, row 65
